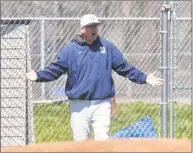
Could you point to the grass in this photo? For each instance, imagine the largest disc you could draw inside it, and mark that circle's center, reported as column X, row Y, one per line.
column 52, row 121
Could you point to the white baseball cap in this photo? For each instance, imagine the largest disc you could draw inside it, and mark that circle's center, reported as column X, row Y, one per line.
column 88, row 19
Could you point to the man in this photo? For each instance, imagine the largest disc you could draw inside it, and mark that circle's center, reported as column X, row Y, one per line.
column 88, row 61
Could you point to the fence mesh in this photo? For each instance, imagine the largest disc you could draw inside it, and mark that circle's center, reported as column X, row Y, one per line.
column 183, row 87
column 34, row 32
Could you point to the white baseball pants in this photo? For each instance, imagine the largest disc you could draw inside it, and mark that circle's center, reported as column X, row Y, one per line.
column 87, row 113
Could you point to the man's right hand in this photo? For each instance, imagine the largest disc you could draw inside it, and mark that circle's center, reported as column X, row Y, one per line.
column 31, row 75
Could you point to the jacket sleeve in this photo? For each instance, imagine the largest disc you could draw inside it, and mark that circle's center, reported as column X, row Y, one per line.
column 55, row 69
column 123, row 68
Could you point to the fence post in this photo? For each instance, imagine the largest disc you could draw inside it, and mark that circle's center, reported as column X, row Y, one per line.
column 171, row 68
column 43, row 55
column 192, row 61
column 164, row 93
column 27, row 101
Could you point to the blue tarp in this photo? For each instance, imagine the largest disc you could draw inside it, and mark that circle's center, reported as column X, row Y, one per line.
column 143, row 128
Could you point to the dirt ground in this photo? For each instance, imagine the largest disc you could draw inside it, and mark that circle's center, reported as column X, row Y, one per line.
column 115, row 145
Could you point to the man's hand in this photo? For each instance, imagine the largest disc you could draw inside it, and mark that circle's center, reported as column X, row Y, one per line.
column 154, row 81
column 31, row 75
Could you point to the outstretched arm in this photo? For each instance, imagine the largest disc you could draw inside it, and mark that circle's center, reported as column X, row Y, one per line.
column 50, row 73
column 123, row 68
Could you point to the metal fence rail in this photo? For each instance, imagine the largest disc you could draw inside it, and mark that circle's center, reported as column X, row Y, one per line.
column 34, row 32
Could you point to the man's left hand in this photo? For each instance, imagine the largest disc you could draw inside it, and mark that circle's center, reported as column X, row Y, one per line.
column 154, row 81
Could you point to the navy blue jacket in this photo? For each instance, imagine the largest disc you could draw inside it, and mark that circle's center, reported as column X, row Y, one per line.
column 89, row 68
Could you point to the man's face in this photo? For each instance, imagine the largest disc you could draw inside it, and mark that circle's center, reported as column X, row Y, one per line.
column 90, row 32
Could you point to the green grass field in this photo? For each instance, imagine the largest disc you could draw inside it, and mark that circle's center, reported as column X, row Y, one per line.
column 52, row 121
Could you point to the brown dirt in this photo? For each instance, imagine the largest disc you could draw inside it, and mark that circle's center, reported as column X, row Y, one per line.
column 116, row 145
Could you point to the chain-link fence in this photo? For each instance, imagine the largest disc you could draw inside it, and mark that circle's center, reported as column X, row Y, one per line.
column 182, row 64
column 34, row 32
